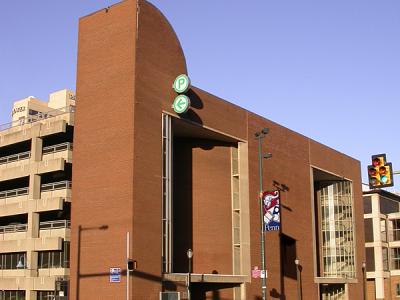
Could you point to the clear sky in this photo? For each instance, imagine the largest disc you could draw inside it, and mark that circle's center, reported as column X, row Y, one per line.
column 327, row 69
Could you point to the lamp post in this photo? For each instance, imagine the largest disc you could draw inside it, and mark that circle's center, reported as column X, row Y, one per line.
column 297, row 262
column 364, row 271
column 189, row 254
column 259, row 136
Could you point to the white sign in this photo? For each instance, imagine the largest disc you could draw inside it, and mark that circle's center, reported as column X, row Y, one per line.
column 181, row 84
column 181, row 104
column 115, row 274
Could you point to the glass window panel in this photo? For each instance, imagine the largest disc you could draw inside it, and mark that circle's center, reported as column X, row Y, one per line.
column 368, row 229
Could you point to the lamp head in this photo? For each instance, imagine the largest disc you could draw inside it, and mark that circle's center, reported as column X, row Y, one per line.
column 189, row 253
column 265, row 130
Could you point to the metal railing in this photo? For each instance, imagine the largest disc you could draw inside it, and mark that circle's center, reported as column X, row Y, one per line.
column 13, row 228
column 14, row 193
column 40, row 116
column 56, row 186
column 57, row 148
column 55, row 224
column 15, row 157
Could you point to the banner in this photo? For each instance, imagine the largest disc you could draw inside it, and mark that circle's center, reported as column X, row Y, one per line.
column 271, row 209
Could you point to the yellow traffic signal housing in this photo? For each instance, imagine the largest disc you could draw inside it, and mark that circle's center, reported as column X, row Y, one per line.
column 380, row 173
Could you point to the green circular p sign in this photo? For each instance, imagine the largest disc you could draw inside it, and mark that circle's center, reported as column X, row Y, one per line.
column 181, row 104
column 181, row 84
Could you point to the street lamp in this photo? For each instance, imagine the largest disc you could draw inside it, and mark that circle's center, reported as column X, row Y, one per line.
column 364, row 271
column 297, row 263
column 189, row 254
column 259, row 136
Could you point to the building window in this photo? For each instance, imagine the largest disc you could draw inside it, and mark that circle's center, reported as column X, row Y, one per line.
column 336, row 229
column 54, row 259
column 45, row 295
column 383, row 230
column 395, row 258
column 367, row 205
column 12, row 295
column 368, row 230
column 397, row 289
column 12, row 261
column 370, row 259
column 388, row 206
column 395, row 236
column 385, row 260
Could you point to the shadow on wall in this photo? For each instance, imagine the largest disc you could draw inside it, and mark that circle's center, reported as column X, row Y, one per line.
column 195, row 103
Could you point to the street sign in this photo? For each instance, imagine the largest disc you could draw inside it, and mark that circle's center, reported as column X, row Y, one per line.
column 115, row 274
column 181, row 84
column 181, row 104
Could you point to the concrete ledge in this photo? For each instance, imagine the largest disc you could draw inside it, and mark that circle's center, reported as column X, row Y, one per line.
column 215, row 278
column 44, row 283
column 25, row 206
column 329, row 280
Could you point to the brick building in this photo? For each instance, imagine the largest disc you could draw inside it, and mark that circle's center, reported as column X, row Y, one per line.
column 177, row 181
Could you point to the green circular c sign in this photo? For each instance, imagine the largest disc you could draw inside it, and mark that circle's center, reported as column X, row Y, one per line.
column 181, row 104
column 181, row 84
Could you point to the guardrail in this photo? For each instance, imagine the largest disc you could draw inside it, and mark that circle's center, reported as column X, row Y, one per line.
column 39, row 117
column 15, row 157
column 13, row 228
column 56, row 186
column 55, row 224
column 57, row 148
column 14, row 193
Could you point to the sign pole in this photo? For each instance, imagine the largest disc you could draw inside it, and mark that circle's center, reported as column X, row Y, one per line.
column 127, row 269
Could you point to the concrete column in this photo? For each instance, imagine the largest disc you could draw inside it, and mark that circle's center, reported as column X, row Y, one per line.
column 33, row 225
column 34, row 186
column 30, row 295
column 32, row 263
column 36, row 149
column 376, row 225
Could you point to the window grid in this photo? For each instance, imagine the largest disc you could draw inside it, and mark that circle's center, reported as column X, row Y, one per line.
column 54, row 259
column 337, row 243
column 395, row 258
column 9, row 261
column 12, row 295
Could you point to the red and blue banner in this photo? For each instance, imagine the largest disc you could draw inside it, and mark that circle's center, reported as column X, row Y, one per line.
column 271, row 210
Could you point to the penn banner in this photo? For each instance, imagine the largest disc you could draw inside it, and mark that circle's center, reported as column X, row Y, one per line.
column 271, row 209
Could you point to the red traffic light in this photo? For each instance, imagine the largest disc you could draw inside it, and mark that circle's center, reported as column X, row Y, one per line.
column 376, row 162
column 372, row 171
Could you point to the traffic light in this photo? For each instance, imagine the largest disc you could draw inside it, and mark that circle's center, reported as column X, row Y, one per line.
column 132, row 264
column 380, row 173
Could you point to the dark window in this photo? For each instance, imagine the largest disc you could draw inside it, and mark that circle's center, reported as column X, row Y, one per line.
column 385, row 259
column 54, row 259
column 397, row 289
column 395, row 258
column 367, row 205
column 388, row 206
column 369, row 231
column 12, row 295
column 12, row 261
column 370, row 259
column 396, row 230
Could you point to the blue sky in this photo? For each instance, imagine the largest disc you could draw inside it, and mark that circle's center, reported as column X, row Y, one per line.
column 327, row 69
